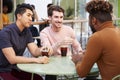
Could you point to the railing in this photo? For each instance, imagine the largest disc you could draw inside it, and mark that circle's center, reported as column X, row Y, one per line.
column 82, row 29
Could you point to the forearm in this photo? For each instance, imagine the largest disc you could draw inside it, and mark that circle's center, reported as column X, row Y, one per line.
column 37, row 52
column 55, row 47
column 81, row 71
column 76, row 47
column 78, row 70
column 34, row 50
column 21, row 59
column 38, row 22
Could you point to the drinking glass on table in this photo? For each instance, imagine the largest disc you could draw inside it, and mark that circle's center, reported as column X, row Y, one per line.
column 45, row 52
column 64, row 48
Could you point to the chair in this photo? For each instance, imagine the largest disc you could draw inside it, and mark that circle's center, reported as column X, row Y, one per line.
column 116, row 77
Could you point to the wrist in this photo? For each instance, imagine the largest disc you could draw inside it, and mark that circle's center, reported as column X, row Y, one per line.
column 78, row 62
column 47, row 21
column 81, row 52
column 40, row 51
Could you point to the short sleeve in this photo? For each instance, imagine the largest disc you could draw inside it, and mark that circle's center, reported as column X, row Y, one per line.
column 29, row 37
column 4, row 40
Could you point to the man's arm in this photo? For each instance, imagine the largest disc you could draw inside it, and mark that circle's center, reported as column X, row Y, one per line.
column 34, row 50
column 75, row 45
column 14, row 59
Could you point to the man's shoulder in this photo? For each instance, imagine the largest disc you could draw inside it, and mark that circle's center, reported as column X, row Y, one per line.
column 8, row 29
column 67, row 27
column 45, row 30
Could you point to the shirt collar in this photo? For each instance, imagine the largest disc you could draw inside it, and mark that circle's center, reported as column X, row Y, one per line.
column 108, row 24
column 18, row 31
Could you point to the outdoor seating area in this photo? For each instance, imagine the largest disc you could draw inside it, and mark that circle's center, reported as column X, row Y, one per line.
column 59, row 39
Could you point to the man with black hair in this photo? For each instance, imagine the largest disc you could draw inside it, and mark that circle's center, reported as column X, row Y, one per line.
column 103, row 46
column 14, row 39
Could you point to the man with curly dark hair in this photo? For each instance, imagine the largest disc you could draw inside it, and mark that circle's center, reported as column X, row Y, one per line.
column 103, row 46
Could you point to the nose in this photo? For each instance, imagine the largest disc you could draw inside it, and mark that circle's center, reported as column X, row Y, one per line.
column 60, row 19
column 31, row 18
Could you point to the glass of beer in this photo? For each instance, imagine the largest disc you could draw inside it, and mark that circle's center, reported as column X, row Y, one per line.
column 64, row 50
column 45, row 52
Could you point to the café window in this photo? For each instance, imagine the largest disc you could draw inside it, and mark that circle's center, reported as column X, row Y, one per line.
column 74, row 9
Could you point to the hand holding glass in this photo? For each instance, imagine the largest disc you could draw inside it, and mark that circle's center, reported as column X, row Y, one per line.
column 64, row 45
column 45, row 52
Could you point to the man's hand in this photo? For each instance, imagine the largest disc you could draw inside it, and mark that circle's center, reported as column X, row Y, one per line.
column 48, row 49
column 77, row 58
column 42, row 60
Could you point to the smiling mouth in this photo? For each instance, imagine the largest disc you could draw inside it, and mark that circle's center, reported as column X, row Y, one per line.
column 59, row 23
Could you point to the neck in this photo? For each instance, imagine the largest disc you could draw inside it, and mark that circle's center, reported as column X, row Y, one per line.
column 19, row 25
column 55, row 29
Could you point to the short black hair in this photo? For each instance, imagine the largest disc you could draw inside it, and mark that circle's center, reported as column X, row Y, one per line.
column 21, row 8
column 33, row 6
column 50, row 4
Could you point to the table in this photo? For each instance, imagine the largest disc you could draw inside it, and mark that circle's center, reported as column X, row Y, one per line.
column 56, row 66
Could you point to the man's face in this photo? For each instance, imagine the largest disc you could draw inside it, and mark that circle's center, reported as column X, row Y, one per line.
column 91, row 24
column 56, row 19
column 26, row 18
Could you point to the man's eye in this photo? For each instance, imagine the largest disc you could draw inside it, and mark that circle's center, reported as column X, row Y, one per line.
column 61, row 17
column 28, row 15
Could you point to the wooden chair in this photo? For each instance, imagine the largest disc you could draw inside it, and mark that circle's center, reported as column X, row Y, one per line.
column 116, row 77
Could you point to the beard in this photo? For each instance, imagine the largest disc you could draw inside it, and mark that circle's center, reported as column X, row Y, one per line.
column 92, row 29
column 91, row 25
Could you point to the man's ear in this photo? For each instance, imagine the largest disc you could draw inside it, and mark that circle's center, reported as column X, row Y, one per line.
column 18, row 16
column 49, row 17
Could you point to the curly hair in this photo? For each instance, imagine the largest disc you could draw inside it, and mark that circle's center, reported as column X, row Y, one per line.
column 100, row 9
column 9, row 4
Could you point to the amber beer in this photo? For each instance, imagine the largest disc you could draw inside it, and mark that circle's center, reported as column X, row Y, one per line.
column 63, row 51
column 45, row 53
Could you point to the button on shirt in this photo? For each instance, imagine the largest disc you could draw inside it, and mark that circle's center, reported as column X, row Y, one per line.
column 11, row 36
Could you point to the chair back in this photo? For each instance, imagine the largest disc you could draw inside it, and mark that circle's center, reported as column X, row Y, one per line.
column 116, row 77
